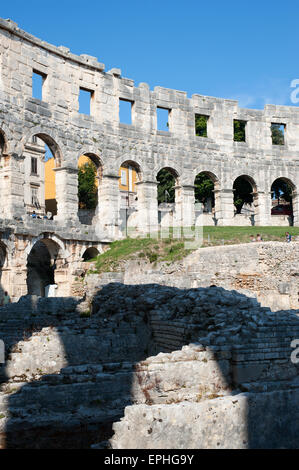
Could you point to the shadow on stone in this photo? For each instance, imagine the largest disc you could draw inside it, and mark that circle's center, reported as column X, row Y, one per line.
column 171, row 368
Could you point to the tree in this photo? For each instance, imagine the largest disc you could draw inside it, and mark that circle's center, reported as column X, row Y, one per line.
column 201, row 125
column 204, row 187
column 282, row 190
column 87, row 189
column 277, row 134
column 166, row 183
column 239, row 131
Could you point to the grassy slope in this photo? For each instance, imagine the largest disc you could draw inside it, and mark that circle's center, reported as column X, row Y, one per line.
column 171, row 249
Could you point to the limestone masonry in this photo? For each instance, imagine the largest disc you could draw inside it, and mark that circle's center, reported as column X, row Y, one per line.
column 55, row 121
column 162, row 367
column 194, row 354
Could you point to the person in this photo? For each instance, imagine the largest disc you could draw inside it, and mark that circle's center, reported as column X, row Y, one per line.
column 259, row 238
column 252, row 239
column 33, row 215
column 288, row 237
column 6, row 299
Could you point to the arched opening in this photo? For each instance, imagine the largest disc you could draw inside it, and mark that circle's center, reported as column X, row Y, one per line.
column 282, row 191
column 90, row 173
column 129, row 175
column 41, row 266
column 3, row 273
column 206, row 192
column 2, row 144
column 168, row 183
column 42, row 156
column 245, row 199
column 90, row 253
column 3, row 254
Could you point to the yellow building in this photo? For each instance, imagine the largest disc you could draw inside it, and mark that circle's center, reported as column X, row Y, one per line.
column 50, row 188
column 127, row 181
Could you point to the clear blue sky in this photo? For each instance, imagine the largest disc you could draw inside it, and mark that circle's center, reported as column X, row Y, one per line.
column 246, row 50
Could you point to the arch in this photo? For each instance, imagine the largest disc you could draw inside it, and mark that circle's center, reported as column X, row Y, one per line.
column 89, row 189
column 249, row 179
column 3, row 143
column 168, row 181
column 48, row 238
column 126, row 157
column 286, row 180
column 130, row 174
column 50, row 139
column 3, row 255
column 283, row 194
column 41, row 265
column 209, row 170
column 245, row 199
column 135, row 165
column 7, row 139
column 94, row 156
column 46, row 259
column 40, row 194
column 205, row 185
column 207, row 197
column 175, row 173
column 90, row 253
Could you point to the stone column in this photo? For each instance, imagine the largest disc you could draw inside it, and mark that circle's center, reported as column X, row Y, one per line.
column 295, row 202
column 147, row 206
column 184, row 206
column 262, row 205
column 66, row 182
column 108, row 207
column 12, row 186
column 224, row 208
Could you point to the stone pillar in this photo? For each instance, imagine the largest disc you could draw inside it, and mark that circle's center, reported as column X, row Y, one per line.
column 295, row 203
column 147, row 206
column 12, row 187
column 184, row 206
column 66, row 181
column 262, row 206
column 224, row 208
column 108, row 207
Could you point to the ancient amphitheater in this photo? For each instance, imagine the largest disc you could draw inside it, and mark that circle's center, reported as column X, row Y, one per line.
column 55, row 120
column 197, row 354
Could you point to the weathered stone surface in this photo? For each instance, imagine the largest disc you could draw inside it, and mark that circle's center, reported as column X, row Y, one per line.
column 154, row 347
column 234, row 422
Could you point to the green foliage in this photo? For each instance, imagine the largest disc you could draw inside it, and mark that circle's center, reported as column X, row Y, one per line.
column 166, row 183
column 277, row 131
column 239, row 130
column 173, row 249
column 87, row 189
column 85, row 314
column 201, row 125
column 282, row 190
column 204, row 187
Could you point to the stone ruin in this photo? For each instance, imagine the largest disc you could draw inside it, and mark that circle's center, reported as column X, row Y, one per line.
column 149, row 366
column 55, row 119
column 144, row 365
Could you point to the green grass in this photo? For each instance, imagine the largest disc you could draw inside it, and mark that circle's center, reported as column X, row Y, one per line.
column 172, row 249
column 231, row 235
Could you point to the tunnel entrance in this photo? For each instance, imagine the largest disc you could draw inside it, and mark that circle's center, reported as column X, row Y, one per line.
column 41, row 265
column 90, row 253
